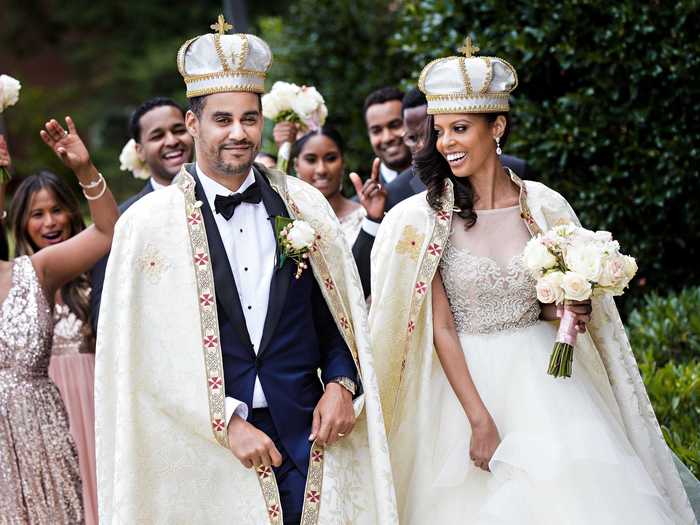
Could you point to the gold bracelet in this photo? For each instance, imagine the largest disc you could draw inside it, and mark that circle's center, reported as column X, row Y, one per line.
column 104, row 189
column 93, row 184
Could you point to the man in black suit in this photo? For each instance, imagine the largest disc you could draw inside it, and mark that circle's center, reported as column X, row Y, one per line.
column 164, row 145
column 379, row 198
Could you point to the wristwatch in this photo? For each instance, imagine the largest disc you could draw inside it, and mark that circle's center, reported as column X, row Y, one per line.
column 347, row 383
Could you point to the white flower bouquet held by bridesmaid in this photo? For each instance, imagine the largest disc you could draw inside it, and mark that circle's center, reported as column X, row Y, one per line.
column 571, row 263
column 9, row 96
column 287, row 102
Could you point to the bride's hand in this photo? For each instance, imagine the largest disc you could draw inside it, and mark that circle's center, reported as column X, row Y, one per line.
column 484, row 442
column 582, row 313
column 67, row 145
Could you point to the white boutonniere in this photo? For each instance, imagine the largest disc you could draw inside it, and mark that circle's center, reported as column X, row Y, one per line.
column 129, row 161
column 295, row 240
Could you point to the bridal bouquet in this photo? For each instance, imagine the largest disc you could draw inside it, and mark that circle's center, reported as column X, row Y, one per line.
column 571, row 263
column 288, row 102
column 9, row 95
column 129, row 161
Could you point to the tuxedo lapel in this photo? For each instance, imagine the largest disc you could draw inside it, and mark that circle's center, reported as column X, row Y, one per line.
column 274, row 205
column 225, row 284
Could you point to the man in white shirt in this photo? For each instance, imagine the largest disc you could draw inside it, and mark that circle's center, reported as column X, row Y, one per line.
column 198, row 270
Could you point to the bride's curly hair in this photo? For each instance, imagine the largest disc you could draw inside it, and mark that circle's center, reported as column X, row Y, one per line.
column 432, row 168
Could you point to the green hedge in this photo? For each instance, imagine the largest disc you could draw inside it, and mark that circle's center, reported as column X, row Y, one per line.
column 604, row 111
column 665, row 335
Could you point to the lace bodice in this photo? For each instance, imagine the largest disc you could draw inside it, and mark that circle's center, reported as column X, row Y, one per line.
column 487, row 284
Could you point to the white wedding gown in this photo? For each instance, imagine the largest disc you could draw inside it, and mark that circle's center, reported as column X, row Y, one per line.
column 564, row 458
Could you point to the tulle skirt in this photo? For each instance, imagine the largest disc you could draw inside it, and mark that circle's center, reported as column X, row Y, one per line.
column 74, row 375
column 564, row 458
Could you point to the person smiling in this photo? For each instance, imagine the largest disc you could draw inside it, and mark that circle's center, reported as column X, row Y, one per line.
column 462, row 353
column 318, row 160
column 45, row 212
column 164, row 145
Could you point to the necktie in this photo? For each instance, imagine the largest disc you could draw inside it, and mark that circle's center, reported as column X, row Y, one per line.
column 226, row 205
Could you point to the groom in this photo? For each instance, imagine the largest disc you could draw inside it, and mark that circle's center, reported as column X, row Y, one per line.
column 266, row 330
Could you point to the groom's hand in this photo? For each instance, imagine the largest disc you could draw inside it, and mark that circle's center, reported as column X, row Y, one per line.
column 334, row 416
column 251, row 446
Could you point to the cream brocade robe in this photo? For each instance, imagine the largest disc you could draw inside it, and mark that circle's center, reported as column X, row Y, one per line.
column 162, row 449
column 405, row 257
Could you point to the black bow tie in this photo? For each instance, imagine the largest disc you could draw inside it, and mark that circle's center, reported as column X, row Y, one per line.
column 226, row 205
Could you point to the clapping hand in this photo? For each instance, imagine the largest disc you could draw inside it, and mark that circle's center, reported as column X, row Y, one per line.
column 372, row 194
column 67, row 145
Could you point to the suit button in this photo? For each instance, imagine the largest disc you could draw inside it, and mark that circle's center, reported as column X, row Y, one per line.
column 257, row 364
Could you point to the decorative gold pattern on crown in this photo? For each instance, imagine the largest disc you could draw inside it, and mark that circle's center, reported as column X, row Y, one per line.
column 476, row 74
column 221, row 26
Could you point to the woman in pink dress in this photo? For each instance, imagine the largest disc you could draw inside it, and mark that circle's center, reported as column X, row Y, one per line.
column 45, row 212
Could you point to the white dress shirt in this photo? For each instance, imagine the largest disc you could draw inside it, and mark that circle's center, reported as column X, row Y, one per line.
column 250, row 246
column 387, row 173
column 156, row 185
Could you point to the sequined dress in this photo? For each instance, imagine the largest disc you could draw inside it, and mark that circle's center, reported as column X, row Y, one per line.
column 564, row 457
column 39, row 475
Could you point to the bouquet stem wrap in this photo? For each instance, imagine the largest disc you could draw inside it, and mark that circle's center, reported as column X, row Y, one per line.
column 283, row 157
column 560, row 363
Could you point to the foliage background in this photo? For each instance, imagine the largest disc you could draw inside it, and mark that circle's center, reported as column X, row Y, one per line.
column 604, row 113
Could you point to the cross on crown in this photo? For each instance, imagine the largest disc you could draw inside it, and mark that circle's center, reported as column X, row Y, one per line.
column 468, row 49
column 221, row 25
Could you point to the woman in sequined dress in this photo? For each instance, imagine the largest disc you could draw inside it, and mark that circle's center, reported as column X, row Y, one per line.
column 39, row 472
column 45, row 212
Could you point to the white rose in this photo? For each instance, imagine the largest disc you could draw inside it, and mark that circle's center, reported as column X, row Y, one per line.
column 307, row 101
column 284, row 94
column 537, row 256
column 269, row 105
column 630, row 267
column 613, row 271
column 549, row 288
column 585, row 259
column 301, row 235
column 576, row 287
column 602, row 236
column 9, row 91
column 129, row 161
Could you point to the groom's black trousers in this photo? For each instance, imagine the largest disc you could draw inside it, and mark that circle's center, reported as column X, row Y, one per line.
column 291, row 482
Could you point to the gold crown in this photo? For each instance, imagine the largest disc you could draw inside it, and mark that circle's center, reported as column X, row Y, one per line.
column 468, row 84
column 218, row 62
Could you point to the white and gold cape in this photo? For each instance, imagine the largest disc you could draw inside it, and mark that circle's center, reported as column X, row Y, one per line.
column 405, row 257
column 162, row 448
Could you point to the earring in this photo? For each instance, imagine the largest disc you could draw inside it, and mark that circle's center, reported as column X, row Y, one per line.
column 498, row 146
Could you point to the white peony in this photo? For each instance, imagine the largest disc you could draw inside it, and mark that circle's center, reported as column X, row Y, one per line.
column 630, row 267
column 270, row 108
column 537, row 256
column 576, row 287
column 129, row 161
column 9, row 91
column 549, row 288
column 585, row 259
column 301, row 235
column 284, row 94
column 310, row 107
column 602, row 236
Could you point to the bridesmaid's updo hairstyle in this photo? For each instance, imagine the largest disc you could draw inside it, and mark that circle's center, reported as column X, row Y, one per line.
column 326, row 131
column 432, row 168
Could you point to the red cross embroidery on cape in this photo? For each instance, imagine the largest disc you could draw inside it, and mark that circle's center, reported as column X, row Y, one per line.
column 218, row 424
column 434, row 249
column 313, row 496
column 201, row 259
column 206, row 299
column 421, row 287
column 215, row 383
column 211, row 341
column 274, row 511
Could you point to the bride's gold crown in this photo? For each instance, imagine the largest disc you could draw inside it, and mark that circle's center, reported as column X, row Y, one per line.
column 218, row 63
column 468, row 84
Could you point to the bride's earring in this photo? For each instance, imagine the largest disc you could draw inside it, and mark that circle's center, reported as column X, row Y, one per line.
column 498, row 146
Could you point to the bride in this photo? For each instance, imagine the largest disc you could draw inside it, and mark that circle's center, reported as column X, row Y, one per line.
column 479, row 433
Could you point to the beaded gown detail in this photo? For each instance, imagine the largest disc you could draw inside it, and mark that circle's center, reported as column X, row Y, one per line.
column 39, row 474
column 564, row 457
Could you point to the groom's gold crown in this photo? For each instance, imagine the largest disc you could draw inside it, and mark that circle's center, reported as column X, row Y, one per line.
column 218, row 62
column 468, row 84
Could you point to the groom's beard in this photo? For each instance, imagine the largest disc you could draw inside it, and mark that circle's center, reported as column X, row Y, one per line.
column 236, row 168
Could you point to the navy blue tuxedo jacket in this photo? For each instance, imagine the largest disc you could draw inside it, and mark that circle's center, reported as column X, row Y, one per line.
column 299, row 337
